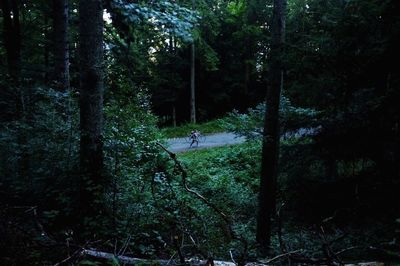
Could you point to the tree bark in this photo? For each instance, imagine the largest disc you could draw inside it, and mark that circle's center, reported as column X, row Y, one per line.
column 192, row 86
column 46, row 54
column 12, row 37
column 192, row 80
column 270, row 147
column 60, row 39
column 174, row 115
column 91, row 106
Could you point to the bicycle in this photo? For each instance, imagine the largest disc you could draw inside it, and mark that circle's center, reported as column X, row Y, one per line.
column 200, row 139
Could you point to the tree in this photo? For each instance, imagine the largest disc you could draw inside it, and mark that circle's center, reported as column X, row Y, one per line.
column 192, row 84
column 270, row 146
column 192, row 80
column 61, row 51
column 12, row 37
column 91, row 105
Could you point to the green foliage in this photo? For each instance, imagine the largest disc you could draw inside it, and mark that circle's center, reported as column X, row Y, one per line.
column 165, row 16
column 227, row 177
column 39, row 158
column 209, row 57
column 339, row 59
column 251, row 124
column 52, row 116
column 236, row 8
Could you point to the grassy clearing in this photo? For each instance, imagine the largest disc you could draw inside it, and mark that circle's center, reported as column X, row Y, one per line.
column 214, row 126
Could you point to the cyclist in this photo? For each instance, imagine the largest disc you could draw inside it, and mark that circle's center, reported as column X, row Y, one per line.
column 194, row 136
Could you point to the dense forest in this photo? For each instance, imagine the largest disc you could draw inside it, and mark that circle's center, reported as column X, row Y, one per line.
column 94, row 95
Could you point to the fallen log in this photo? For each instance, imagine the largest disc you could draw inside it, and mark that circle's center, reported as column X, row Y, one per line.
column 132, row 261
column 195, row 262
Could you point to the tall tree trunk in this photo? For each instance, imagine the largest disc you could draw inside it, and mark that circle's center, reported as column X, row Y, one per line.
column 192, row 84
column 270, row 149
column 46, row 53
column 12, row 45
column 12, row 37
column 246, row 79
column 61, row 51
column 91, row 107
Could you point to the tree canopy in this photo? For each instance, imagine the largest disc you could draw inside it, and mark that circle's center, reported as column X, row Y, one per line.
column 93, row 93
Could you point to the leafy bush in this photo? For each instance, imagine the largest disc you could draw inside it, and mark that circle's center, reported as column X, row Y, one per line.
column 227, row 177
column 251, row 124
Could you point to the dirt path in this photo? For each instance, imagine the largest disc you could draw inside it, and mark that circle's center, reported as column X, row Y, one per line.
column 214, row 140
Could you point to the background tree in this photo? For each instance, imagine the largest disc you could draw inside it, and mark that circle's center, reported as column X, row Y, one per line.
column 91, row 107
column 61, row 44
column 12, row 37
column 192, row 80
column 271, row 134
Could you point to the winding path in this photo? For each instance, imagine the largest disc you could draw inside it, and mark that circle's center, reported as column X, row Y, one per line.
column 227, row 138
column 214, row 140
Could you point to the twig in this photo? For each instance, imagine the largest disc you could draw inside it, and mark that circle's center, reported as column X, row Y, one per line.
column 282, row 255
column 233, row 260
column 78, row 252
column 199, row 196
column 282, row 245
column 330, row 255
column 125, row 246
column 223, row 216
column 347, row 249
column 173, row 255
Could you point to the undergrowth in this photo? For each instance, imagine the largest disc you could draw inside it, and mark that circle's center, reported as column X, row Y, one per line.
column 229, row 178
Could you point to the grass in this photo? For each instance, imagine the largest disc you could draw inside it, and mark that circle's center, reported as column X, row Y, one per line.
column 229, row 178
column 237, row 163
column 210, row 127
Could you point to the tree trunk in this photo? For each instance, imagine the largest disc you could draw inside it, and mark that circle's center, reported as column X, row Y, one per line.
column 270, row 149
column 12, row 37
column 46, row 53
column 91, row 107
column 174, row 115
column 192, row 85
column 61, row 51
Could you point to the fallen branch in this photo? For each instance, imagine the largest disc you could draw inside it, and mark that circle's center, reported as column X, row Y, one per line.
column 330, row 255
column 184, row 179
column 77, row 253
column 348, row 249
column 197, row 262
column 287, row 254
column 233, row 260
column 120, row 258
column 223, row 216
column 130, row 260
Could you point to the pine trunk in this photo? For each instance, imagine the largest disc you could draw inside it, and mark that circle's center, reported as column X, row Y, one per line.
column 192, row 82
column 192, row 87
column 12, row 37
column 91, row 107
column 61, row 51
column 270, row 148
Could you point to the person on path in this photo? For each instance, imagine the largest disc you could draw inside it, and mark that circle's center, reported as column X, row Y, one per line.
column 194, row 136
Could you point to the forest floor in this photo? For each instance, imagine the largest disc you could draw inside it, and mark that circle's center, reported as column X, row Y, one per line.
column 213, row 140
